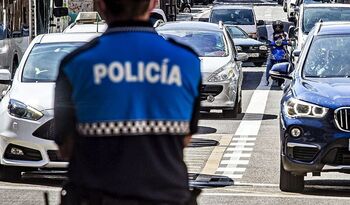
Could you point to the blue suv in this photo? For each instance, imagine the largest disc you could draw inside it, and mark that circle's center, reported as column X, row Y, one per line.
column 315, row 108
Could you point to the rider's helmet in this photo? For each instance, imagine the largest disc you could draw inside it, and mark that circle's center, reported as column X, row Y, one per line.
column 278, row 26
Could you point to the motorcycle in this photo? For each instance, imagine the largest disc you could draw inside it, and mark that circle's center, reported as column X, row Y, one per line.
column 279, row 54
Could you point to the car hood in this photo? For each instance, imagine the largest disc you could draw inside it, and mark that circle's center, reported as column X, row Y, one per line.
column 211, row 64
column 37, row 95
column 246, row 41
column 332, row 92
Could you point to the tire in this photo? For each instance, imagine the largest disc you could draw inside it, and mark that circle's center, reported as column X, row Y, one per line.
column 259, row 64
column 14, row 66
column 290, row 182
column 9, row 174
column 239, row 105
column 230, row 113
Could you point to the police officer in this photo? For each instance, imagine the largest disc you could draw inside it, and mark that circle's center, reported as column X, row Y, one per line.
column 126, row 105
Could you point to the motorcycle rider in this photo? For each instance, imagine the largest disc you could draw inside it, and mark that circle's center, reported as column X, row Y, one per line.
column 278, row 35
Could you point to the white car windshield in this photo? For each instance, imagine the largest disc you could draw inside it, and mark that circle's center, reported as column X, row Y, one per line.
column 233, row 16
column 327, row 58
column 314, row 15
column 44, row 59
column 205, row 43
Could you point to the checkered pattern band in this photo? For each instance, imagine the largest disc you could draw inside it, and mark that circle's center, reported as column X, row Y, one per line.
column 134, row 128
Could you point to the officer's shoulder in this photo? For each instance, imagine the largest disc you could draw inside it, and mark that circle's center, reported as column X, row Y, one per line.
column 80, row 51
column 183, row 46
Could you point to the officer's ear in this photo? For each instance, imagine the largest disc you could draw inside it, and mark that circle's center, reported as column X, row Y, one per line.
column 152, row 5
column 101, row 7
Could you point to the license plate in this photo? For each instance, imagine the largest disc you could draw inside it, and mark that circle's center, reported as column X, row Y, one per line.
column 254, row 55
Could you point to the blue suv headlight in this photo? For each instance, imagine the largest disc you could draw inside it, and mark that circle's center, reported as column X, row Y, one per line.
column 297, row 108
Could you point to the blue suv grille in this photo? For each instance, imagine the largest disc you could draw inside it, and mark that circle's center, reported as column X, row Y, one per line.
column 342, row 118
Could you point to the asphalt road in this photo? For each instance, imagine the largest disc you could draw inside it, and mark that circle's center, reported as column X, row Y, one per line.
column 241, row 155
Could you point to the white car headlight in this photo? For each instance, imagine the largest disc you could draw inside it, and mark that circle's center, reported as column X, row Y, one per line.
column 298, row 108
column 20, row 110
column 223, row 74
column 263, row 48
column 238, row 48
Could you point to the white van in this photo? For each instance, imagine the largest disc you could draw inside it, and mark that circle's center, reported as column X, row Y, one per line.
column 241, row 16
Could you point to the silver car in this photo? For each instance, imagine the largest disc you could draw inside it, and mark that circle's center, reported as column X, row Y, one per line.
column 26, row 108
column 220, row 63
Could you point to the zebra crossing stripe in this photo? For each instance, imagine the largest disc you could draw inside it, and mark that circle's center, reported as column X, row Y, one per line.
column 243, row 139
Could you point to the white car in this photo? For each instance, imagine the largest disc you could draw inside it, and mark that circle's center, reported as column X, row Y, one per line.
column 220, row 63
column 310, row 14
column 26, row 108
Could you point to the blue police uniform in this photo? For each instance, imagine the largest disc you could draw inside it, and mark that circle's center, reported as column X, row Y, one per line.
column 129, row 98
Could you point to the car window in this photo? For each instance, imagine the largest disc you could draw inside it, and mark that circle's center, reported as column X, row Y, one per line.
column 205, row 43
column 233, row 16
column 327, row 59
column 43, row 61
column 314, row 15
column 236, row 32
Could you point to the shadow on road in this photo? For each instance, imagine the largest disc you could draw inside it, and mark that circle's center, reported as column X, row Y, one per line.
column 251, row 79
column 200, row 142
column 209, row 181
column 331, row 187
column 206, row 130
column 40, row 182
column 246, row 116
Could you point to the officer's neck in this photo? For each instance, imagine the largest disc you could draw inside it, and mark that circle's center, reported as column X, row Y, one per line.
column 129, row 23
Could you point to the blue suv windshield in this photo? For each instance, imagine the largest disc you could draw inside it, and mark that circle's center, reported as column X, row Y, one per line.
column 328, row 58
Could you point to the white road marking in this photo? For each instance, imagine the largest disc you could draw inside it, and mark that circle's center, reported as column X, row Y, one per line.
column 239, row 149
column 30, row 188
column 245, row 135
column 242, row 144
column 277, row 195
column 243, row 139
column 235, row 162
column 249, row 127
column 237, row 169
column 234, row 176
column 245, row 155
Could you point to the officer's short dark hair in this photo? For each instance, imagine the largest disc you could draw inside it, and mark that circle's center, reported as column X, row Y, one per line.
column 127, row 9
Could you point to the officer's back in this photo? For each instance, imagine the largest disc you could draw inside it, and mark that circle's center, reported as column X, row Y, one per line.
column 133, row 97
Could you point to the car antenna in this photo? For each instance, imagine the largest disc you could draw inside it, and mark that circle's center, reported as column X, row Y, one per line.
column 97, row 22
column 221, row 25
